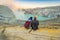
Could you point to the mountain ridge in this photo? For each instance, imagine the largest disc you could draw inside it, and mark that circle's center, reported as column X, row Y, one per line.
column 53, row 11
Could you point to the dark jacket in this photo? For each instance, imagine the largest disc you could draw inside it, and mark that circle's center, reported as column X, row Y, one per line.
column 34, row 24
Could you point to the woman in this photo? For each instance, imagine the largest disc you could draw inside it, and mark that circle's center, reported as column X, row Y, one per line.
column 27, row 23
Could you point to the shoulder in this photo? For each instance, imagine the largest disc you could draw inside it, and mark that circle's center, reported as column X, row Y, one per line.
column 37, row 20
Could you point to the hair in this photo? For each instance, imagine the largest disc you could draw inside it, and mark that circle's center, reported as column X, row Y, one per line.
column 31, row 17
column 34, row 18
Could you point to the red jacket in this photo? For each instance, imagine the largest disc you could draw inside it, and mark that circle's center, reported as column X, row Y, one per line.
column 27, row 23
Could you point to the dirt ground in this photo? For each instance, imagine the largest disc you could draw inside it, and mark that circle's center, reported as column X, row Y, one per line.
column 20, row 33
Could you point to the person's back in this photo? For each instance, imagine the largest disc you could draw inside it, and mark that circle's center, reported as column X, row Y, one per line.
column 27, row 23
column 34, row 24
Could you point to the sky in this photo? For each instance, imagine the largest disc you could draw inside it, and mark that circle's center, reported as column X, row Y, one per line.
column 25, row 4
column 33, row 4
column 15, row 4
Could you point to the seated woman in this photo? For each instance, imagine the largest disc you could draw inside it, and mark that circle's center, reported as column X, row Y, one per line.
column 27, row 23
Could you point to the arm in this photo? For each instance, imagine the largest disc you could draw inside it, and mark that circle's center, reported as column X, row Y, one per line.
column 37, row 22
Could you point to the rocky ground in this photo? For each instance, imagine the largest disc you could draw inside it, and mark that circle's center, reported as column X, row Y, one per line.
column 20, row 33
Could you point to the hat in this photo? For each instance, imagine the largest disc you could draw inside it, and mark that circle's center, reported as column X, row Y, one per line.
column 30, row 18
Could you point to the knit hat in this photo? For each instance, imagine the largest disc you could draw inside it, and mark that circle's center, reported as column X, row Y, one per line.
column 30, row 18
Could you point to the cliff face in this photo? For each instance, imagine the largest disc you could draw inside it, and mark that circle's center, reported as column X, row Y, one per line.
column 46, row 12
column 6, row 14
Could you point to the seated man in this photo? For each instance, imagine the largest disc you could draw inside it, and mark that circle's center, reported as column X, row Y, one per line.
column 34, row 24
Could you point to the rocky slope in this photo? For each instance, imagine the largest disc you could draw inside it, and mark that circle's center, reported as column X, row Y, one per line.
column 6, row 14
column 46, row 12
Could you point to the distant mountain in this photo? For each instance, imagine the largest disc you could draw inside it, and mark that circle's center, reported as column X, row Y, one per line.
column 50, row 12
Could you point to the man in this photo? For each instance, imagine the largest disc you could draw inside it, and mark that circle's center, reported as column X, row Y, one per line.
column 34, row 24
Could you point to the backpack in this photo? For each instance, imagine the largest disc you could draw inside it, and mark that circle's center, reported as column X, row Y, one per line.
column 27, row 23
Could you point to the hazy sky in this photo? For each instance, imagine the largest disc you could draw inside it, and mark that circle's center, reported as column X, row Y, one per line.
column 33, row 4
column 15, row 4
